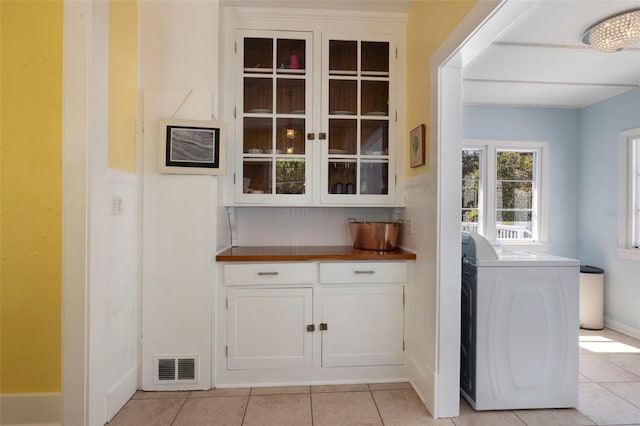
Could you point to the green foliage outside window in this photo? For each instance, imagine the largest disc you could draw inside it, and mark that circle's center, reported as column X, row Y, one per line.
column 514, row 186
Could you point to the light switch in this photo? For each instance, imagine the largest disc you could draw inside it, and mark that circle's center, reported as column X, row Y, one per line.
column 116, row 205
column 408, row 225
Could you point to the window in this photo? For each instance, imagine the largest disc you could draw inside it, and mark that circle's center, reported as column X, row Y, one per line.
column 471, row 189
column 501, row 190
column 629, row 237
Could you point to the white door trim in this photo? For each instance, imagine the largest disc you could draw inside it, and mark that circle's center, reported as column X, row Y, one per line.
column 84, row 211
column 477, row 30
column 77, row 19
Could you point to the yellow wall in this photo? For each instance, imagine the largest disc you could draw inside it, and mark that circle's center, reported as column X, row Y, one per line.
column 430, row 23
column 31, row 177
column 123, row 52
column 30, row 233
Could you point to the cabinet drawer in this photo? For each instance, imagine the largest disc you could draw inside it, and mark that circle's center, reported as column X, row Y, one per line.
column 269, row 273
column 363, row 272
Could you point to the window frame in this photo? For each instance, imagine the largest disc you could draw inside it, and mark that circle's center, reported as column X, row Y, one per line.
column 487, row 192
column 629, row 200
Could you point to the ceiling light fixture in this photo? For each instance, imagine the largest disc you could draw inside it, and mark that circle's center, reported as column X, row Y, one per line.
column 615, row 33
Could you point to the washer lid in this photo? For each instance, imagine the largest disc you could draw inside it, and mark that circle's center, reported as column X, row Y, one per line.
column 507, row 257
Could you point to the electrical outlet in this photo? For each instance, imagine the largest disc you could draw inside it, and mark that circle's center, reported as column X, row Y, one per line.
column 408, row 225
column 116, row 205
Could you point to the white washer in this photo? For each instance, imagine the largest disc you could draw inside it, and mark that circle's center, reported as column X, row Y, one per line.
column 519, row 343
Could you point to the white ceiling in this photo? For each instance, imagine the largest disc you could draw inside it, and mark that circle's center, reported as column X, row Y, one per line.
column 540, row 60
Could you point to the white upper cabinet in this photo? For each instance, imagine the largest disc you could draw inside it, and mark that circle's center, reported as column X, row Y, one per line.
column 315, row 110
column 358, row 113
column 273, row 115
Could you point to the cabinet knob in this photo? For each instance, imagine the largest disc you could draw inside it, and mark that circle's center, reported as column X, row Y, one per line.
column 322, row 136
column 311, row 136
column 311, row 327
column 323, row 326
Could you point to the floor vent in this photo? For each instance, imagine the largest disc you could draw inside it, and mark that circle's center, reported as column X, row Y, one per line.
column 175, row 369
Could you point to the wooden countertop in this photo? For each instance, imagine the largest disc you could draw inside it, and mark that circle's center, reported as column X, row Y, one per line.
column 306, row 253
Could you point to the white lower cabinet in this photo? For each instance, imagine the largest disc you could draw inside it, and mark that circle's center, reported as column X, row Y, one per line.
column 307, row 322
column 362, row 325
column 267, row 328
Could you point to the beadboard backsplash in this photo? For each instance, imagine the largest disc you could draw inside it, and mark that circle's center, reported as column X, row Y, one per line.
column 284, row 226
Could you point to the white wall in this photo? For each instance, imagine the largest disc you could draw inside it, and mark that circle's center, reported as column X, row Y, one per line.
column 559, row 129
column 599, row 129
column 179, row 43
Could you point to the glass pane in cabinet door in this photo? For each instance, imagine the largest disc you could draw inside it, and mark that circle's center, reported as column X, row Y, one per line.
column 290, row 96
column 290, row 176
column 342, row 137
column 342, row 176
column 343, row 57
column 291, row 56
column 258, row 95
column 375, row 58
column 256, row 175
column 257, row 135
column 290, row 136
column 258, row 54
column 374, row 137
column 343, row 97
column 375, row 98
column 374, row 177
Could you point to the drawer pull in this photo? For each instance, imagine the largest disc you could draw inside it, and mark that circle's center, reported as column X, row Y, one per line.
column 267, row 274
column 311, row 327
column 323, row 326
column 365, row 272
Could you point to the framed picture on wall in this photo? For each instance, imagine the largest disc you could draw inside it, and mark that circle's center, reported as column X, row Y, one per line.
column 192, row 147
column 416, row 146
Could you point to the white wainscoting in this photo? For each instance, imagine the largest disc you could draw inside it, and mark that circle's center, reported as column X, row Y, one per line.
column 421, row 209
column 122, row 292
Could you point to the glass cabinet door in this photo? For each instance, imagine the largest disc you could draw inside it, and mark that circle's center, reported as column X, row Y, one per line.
column 357, row 90
column 274, row 117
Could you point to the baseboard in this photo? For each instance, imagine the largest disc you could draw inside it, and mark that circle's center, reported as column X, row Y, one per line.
column 121, row 392
column 31, row 424
column 424, row 384
column 30, row 408
column 622, row 328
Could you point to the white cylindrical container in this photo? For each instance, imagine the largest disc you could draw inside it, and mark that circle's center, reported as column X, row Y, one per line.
column 591, row 297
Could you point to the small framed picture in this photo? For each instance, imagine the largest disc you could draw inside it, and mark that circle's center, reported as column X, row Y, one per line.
column 416, row 146
column 192, row 147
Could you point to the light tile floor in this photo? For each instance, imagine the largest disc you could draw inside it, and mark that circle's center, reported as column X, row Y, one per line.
column 609, row 395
